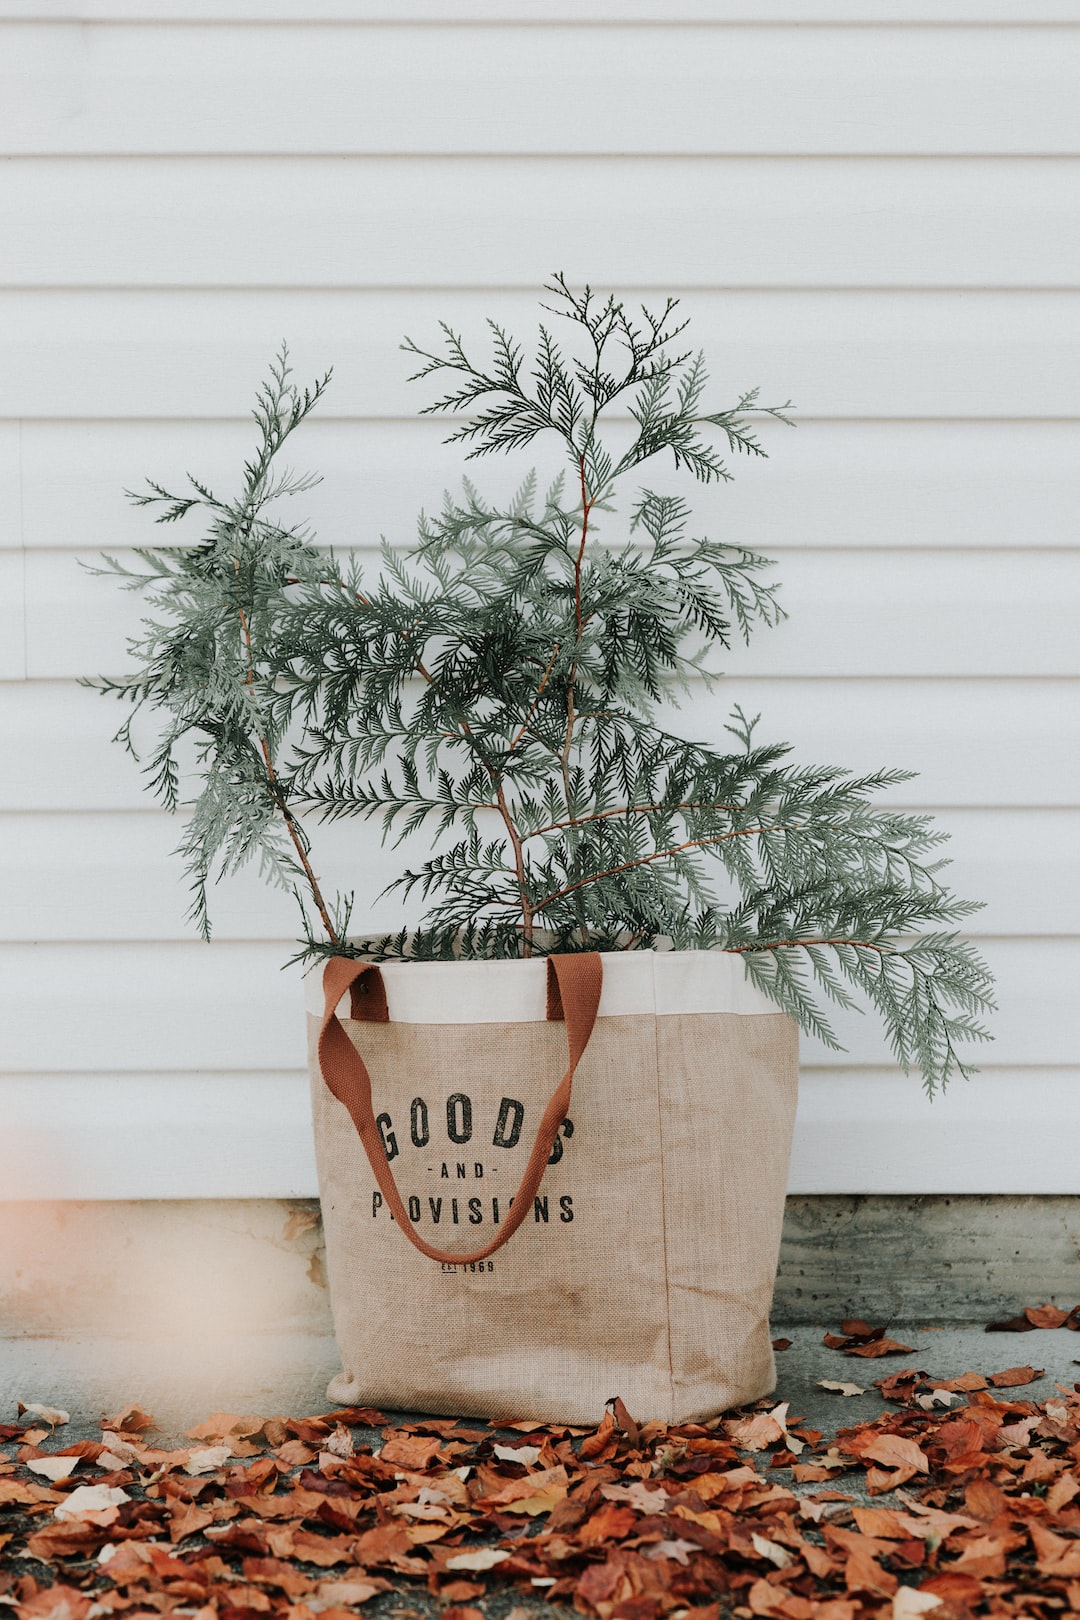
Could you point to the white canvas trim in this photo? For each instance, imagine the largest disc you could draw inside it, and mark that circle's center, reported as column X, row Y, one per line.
column 663, row 983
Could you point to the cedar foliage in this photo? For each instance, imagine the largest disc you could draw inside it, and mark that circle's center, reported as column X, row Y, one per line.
column 498, row 685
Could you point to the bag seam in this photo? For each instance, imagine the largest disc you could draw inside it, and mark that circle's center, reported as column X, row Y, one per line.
column 663, row 1199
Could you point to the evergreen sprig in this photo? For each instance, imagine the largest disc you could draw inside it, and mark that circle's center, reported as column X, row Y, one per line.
column 497, row 688
column 208, row 665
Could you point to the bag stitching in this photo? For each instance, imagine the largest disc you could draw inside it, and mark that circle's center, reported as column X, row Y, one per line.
column 663, row 1194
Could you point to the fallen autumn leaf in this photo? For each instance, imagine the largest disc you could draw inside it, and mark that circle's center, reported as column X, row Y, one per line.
column 86, row 1499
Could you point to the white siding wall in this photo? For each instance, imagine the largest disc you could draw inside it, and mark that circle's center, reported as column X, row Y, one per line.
column 869, row 206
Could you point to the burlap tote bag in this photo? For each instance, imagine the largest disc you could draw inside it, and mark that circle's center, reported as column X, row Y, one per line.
column 503, row 1243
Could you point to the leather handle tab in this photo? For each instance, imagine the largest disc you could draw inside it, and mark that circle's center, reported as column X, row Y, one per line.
column 363, row 981
column 574, row 984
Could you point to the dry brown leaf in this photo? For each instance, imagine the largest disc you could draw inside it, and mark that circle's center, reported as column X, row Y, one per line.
column 983, row 1499
column 596, row 1443
column 625, row 1423
column 129, row 1420
column 885, row 1524
column 772, row 1551
column 983, row 1556
column 340, row 1443
column 900, row 1386
column 322, row 1550
column 863, row 1573
column 1018, row 1434
column 294, row 1454
column 878, row 1347
column 858, row 1338
column 1011, row 1324
column 110, row 1463
column 53, row 1467
column 460, row 1591
column 677, row 1550
column 610, row 1522
column 519, row 1490
column 64, row 1540
column 187, row 1519
column 206, row 1459
column 908, row 1603
column 52, row 1415
column 384, row 1544
column 90, row 1501
column 482, row 1558
column 966, row 1382
column 56, row 1602
column 894, row 1451
column 901, row 1460
column 1013, row 1376
column 543, row 1501
column 762, row 1430
column 345, row 1593
column 839, row 1387
column 1046, row 1316
column 646, row 1498
column 119, row 1447
column 954, row 1588
column 526, row 1455
column 1061, row 1492
column 1054, row 1554
column 411, row 1451
column 23, row 1491
column 775, row 1603
column 224, row 1425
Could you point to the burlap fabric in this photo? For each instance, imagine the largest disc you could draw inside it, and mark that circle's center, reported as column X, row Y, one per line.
column 644, row 1261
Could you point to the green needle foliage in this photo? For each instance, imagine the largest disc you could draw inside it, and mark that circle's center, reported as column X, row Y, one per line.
column 208, row 662
column 498, row 686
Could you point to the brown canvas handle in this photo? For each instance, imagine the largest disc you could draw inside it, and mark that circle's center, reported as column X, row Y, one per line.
column 573, row 994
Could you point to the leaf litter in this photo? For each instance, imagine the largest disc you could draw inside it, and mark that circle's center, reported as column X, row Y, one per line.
column 1038, row 1316
column 973, row 1492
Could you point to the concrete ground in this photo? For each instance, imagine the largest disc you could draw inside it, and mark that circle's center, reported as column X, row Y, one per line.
column 181, row 1381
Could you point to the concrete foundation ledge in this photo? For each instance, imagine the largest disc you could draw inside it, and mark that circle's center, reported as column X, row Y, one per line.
column 168, row 1269
column 970, row 1258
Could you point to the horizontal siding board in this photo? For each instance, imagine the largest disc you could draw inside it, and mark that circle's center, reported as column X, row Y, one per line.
column 720, row 222
column 510, row 12
column 183, row 1136
column 249, row 1136
column 850, row 613
column 114, row 877
column 1002, row 1132
column 229, row 1006
column 386, row 89
column 1001, row 742
column 12, row 616
column 138, row 1007
column 910, row 485
column 11, row 517
column 850, row 354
